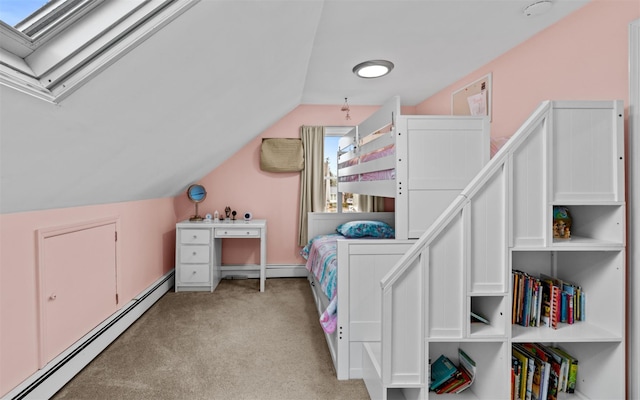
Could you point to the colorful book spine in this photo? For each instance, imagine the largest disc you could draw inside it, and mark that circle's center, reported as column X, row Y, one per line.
column 572, row 374
column 555, row 306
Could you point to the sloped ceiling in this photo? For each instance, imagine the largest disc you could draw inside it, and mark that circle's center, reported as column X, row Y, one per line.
column 178, row 105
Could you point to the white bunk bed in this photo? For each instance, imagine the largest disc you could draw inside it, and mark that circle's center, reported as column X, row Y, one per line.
column 423, row 161
column 363, row 263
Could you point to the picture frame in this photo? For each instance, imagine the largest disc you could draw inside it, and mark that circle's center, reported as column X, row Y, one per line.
column 474, row 98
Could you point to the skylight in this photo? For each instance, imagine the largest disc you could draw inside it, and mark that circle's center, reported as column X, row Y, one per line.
column 13, row 12
column 50, row 48
column 40, row 20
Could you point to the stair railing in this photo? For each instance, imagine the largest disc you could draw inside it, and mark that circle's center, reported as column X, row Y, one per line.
column 405, row 289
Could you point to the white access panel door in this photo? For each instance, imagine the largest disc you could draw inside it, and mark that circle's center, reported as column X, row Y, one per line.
column 443, row 153
column 78, row 285
column 588, row 152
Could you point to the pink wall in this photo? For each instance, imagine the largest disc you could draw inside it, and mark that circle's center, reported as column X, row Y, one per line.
column 146, row 248
column 240, row 184
column 582, row 57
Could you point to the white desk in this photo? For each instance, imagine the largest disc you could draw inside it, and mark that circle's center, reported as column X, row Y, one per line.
column 199, row 251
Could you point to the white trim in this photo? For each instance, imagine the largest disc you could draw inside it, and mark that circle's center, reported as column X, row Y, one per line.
column 337, row 130
column 633, row 159
column 53, row 376
column 71, row 74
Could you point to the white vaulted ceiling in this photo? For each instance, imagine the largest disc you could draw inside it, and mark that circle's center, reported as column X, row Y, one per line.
column 180, row 103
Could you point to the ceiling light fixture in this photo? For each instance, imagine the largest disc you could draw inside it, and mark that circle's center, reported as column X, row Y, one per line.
column 345, row 108
column 537, row 8
column 373, row 68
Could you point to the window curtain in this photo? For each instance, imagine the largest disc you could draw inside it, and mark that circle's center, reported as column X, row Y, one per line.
column 312, row 189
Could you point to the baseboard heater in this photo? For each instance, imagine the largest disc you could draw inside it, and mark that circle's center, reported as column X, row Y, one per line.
column 272, row 271
column 53, row 376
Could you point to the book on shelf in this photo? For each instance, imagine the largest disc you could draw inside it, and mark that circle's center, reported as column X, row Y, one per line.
column 553, row 364
column 540, row 372
column 526, row 376
column 441, row 371
column 554, row 316
column 516, row 376
column 528, row 300
column 468, row 369
column 452, row 385
column 447, row 378
column 571, row 372
column 564, row 307
column 475, row 317
column 549, row 371
column 545, row 301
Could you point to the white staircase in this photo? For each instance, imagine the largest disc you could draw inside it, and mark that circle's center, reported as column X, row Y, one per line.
column 566, row 153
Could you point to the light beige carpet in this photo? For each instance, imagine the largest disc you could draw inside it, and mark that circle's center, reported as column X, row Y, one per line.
column 234, row 343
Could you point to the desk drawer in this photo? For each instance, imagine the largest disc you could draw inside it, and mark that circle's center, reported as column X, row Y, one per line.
column 195, row 274
column 194, row 254
column 237, row 232
column 195, row 236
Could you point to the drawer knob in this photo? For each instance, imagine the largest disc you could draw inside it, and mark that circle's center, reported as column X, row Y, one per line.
column 194, row 253
column 193, row 272
column 248, row 233
column 195, row 236
column 53, row 296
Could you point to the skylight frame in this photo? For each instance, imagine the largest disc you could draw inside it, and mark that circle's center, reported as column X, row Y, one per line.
column 54, row 16
column 50, row 19
column 53, row 70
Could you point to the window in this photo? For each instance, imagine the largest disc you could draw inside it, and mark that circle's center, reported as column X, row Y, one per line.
column 50, row 48
column 38, row 21
column 334, row 201
column 14, row 11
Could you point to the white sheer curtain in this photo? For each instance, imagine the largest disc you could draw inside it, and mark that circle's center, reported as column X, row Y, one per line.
column 311, row 177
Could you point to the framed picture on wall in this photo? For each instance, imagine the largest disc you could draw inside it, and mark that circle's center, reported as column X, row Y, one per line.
column 473, row 99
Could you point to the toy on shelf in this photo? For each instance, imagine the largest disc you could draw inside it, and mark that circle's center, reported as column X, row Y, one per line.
column 561, row 222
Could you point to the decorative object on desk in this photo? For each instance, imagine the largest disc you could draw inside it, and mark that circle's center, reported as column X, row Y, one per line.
column 196, row 193
column 248, row 216
column 562, row 222
column 208, row 218
column 281, row 155
column 233, row 215
column 227, row 212
column 216, row 216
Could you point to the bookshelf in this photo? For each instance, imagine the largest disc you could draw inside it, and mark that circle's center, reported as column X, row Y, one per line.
column 568, row 153
column 585, row 173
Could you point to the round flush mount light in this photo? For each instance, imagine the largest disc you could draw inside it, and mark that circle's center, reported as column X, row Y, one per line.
column 373, row 68
column 537, row 8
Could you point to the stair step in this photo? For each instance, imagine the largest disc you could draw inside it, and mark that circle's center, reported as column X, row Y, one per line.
column 371, row 371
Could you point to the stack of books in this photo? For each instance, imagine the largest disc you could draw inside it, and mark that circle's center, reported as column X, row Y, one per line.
column 546, row 301
column 446, row 377
column 541, row 372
